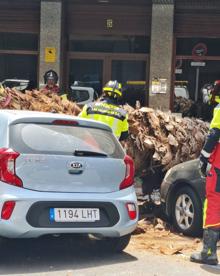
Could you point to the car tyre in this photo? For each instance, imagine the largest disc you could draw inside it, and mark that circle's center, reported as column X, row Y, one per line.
column 187, row 212
column 117, row 244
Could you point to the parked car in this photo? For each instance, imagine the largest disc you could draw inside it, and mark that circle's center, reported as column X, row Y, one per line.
column 181, row 91
column 182, row 196
column 61, row 174
column 81, row 94
column 18, row 84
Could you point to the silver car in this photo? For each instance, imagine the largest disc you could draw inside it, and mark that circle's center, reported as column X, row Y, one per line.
column 61, row 174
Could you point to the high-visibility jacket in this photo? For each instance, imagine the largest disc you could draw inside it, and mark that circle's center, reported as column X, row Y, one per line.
column 64, row 97
column 214, row 99
column 110, row 114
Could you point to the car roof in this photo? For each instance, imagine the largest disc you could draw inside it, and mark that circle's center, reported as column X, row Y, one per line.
column 18, row 116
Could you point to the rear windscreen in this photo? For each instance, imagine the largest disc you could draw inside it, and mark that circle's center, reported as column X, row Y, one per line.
column 60, row 139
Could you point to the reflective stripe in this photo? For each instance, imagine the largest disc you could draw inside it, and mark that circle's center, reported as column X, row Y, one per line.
column 101, row 106
column 211, row 225
column 110, row 111
column 205, row 153
column 204, row 212
column 115, row 128
column 205, row 207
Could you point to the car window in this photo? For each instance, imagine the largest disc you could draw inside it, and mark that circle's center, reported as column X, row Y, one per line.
column 60, row 139
column 79, row 95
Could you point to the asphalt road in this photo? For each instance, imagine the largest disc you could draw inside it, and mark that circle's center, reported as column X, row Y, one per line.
column 80, row 256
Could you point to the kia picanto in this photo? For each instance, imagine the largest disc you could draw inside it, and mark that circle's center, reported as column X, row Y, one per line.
column 60, row 174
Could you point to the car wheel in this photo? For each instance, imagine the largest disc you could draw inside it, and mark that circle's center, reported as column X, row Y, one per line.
column 187, row 212
column 117, row 244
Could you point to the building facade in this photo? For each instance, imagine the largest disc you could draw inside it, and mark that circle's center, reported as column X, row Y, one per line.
column 151, row 43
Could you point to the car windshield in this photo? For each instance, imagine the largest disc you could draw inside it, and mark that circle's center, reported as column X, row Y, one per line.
column 60, row 139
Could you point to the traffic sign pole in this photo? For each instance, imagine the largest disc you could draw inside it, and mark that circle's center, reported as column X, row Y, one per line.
column 197, row 84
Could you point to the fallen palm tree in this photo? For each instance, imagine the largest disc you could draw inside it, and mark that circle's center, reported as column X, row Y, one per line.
column 157, row 139
column 36, row 101
column 161, row 139
column 184, row 106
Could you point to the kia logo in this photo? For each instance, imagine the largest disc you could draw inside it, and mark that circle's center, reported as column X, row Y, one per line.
column 76, row 165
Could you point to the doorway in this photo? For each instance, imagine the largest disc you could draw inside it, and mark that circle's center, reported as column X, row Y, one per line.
column 96, row 69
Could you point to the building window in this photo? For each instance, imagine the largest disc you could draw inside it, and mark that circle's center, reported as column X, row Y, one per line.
column 18, row 41
column 19, row 57
column 111, row 44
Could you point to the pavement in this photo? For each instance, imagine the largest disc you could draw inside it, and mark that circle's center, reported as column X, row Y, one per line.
column 82, row 256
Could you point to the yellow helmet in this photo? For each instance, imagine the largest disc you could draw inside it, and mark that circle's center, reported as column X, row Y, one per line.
column 113, row 89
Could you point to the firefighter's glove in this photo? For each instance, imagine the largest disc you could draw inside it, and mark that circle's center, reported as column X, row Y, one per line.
column 203, row 164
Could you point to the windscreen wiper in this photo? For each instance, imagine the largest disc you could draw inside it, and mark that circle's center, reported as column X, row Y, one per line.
column 89, row 153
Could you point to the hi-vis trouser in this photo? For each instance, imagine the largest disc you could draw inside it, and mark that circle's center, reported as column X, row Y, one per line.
column 211, row 212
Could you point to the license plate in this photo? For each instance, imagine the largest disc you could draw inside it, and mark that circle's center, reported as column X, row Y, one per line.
column 74, row 214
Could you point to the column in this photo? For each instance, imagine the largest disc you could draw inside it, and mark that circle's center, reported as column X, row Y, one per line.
column 50, row 37
column 161, row 54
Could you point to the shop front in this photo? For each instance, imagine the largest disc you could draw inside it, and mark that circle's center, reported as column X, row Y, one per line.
column 137, row 42
column 19, row 32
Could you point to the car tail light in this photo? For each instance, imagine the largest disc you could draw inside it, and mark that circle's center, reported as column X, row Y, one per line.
column 132, row 212
column 129, row 174
column 7, row 209
column 7, row 167
column 65, row 122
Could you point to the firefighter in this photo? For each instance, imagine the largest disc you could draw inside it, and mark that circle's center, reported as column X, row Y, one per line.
column 206, row 92
column 211, row 98
column 210, row 158
column 108, row 110
column 50, row 79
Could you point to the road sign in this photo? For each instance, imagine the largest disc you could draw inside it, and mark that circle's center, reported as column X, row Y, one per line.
column 199, row 50
column 198, row 63
column 50, row 54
